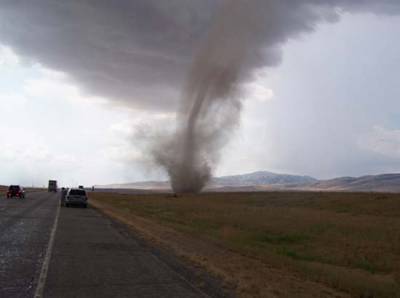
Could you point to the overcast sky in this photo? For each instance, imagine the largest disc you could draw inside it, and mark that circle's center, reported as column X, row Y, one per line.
column 330, row 108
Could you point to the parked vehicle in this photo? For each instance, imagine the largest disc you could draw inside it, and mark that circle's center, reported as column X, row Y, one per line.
column 76, row 196
column 15, row 191
column 52, row 186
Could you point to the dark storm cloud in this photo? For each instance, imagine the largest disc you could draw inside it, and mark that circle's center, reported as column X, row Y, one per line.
column 132, row 51
column 139, row 51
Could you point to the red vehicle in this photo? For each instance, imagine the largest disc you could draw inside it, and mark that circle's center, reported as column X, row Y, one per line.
column 15, row 191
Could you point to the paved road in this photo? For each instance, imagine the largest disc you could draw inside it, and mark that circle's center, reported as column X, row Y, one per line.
column 91, row 256
column 24, row 234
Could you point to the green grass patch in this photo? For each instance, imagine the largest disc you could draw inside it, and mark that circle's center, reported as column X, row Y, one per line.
column 366, row 265
column 287, row 252
column 278, row 239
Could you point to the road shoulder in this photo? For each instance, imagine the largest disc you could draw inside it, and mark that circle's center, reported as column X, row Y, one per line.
column 95, row 256
column 193, row 273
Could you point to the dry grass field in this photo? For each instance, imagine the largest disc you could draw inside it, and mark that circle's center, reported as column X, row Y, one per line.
column 277, row 244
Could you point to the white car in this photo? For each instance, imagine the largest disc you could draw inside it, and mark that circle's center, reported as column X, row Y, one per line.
column 76, row 196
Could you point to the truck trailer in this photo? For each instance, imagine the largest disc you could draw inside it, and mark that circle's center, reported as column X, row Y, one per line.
column 52, row 186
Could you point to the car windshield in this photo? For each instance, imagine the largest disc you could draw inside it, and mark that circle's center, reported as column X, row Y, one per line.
column 14, row 188
column 77, row 192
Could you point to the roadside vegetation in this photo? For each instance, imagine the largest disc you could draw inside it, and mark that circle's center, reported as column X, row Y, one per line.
column 347, row 242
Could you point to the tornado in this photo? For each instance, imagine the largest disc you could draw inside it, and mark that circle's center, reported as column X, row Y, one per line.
column 211, row 104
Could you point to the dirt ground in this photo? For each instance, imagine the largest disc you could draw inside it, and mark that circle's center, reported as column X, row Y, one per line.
column 276, row 244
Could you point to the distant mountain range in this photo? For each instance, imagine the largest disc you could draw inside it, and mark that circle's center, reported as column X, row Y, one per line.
column 381, row 183
column 263, row 180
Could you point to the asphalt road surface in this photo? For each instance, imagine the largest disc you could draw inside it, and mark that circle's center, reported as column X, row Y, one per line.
column 79, row 253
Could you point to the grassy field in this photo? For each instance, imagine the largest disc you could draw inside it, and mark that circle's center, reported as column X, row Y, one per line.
column 348, row 242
